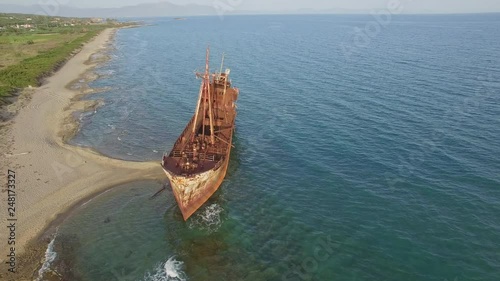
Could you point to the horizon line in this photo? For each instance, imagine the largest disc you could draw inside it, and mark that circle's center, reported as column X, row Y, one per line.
column 308, row 11
column 269, row 13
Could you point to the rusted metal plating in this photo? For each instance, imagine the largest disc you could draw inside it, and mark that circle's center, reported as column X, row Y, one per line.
column 198, row 162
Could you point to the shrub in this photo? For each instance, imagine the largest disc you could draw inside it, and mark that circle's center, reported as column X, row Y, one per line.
column 31, row 71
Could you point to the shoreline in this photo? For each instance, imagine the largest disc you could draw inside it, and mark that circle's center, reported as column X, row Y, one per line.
column 53, row 177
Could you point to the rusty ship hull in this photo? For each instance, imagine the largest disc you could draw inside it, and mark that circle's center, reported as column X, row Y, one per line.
column 197, row 164
column 192, row 192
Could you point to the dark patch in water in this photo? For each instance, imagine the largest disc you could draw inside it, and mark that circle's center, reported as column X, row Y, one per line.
column 66, row 246
column 129, row 253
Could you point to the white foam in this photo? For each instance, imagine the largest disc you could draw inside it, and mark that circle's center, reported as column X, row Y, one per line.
column 171, row 270
column 92, row 199
column 208, row 218
column 88, row 201
column 50, row 256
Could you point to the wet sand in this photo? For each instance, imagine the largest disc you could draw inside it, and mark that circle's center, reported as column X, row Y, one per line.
column 51, row 176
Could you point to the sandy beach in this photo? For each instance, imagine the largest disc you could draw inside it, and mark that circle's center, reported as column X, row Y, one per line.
column 50, row 175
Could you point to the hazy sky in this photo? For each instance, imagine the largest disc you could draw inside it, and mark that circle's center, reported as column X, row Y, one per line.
column 442, row 6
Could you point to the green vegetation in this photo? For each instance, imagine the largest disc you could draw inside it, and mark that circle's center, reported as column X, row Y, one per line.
column 32, row 47
column 16, row 47
column 31, row 70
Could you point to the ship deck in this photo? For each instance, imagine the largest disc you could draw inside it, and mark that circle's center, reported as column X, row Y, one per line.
column 171, row 164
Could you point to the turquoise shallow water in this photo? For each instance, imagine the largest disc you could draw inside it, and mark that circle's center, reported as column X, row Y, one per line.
column 378, row 165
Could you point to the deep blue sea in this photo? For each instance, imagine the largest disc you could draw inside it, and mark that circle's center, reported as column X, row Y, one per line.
column 364, row 151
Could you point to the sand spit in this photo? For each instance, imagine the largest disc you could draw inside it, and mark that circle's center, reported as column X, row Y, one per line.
column 50, row 175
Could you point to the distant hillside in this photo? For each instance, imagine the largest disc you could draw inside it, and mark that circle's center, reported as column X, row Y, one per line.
column 163, row 9
column 166, row 9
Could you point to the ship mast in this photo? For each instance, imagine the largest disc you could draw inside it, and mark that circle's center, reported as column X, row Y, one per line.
column 205, row 94
column 197, row 110
column 204, row 116
column 222, row 64
column 225, row 81
column 210, row 113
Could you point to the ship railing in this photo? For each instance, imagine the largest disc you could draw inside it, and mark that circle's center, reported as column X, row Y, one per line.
column 219, row 151
column 188, row 127
column 202, row 156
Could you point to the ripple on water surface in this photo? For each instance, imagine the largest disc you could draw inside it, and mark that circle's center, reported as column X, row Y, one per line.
column 386, row 158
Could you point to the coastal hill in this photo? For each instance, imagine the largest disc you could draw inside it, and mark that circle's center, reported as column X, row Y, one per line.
column 161, row 9
column 165, row 9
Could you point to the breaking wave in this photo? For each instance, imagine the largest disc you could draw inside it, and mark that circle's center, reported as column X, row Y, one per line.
column 171, row 270
column 50, row 256
column 208, row 219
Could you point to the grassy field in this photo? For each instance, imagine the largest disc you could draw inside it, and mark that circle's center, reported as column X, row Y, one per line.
column 15, row 48
column 27, row 55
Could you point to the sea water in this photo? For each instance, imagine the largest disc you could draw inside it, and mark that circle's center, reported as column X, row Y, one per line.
column 361, row 153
